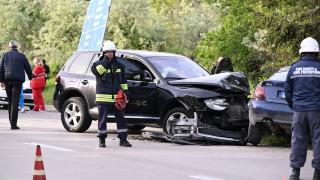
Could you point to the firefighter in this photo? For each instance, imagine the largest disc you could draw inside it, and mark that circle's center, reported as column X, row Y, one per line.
column 111, row 77
column 302, row 90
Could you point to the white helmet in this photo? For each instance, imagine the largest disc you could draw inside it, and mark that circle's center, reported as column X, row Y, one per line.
column 108, row 46
column 309, row 45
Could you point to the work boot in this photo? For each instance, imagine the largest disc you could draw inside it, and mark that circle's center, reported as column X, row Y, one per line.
column 102, row 142
column 15, row 127
column 295, row 174
column 124, row 143
column 316, row 175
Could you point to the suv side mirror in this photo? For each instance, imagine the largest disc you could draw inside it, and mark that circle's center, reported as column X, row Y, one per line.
column 147, row 76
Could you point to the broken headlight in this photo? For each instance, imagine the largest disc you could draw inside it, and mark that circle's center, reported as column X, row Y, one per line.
column 217, row 104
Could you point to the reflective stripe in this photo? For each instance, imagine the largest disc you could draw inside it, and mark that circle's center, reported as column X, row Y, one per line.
column 122, row 130
column 39, row 77
column 109, row 71
column 105, row 95
column 100, row 69
column 307, row 75
column 38, row 172
column 38, row 74
column 105, row 98
column 102, row 131
column 124, row 86
column 39, row 158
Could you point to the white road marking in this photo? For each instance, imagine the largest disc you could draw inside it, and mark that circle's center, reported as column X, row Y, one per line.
column 204, row 177
column 50, row 147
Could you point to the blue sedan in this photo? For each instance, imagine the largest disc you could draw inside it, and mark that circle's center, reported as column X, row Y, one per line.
column 268, row 109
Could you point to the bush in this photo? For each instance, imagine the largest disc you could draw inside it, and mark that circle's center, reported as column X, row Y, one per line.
column 48, row 91
column 276, row 140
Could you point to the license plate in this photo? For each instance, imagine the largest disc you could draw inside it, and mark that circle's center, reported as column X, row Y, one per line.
column 27, row 96
column 282, row 95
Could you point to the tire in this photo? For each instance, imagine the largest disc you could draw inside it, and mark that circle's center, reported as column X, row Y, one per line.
column 75, row 116
column 254, row 134
column 31, row 107
column 135, row 127
column 172, row 118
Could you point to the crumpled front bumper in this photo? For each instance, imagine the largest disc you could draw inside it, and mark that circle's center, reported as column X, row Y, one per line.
column 189, row 131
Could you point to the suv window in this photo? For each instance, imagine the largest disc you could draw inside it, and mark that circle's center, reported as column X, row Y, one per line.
column 80, row 64
column 133, row 72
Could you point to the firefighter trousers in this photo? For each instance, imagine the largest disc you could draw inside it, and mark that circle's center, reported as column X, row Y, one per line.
column 122, row 127
column 305, row 126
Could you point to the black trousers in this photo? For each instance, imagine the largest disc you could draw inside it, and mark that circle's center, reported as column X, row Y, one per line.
column 119, row 116
column 13, row 90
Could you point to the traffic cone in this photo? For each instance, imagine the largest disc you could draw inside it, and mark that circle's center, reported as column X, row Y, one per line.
column 38, row 166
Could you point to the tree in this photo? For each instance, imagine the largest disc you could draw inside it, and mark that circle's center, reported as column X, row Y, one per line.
column 20, row 20
column 59, row 36
column 260, row 36
column 144, row 24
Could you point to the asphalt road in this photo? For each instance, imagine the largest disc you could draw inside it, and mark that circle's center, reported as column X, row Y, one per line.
column 76, row 156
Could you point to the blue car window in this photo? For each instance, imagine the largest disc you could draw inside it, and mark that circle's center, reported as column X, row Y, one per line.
column 280, row 76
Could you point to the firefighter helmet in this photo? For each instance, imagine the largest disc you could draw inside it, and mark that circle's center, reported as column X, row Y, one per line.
column 108, row 46
column 309, row 45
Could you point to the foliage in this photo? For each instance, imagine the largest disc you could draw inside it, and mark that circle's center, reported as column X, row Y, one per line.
column 51, row 29
column 276, row 140
column 47, row 28
column 260, row 36
column 19, row 21
column 48, row 91
column 59, row 36
column 171, row 26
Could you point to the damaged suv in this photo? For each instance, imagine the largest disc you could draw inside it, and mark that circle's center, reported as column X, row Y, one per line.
column 166, row 90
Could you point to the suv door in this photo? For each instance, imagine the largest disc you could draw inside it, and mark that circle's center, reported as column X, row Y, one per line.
column 141, row 91
column 88, row 85
column 77, row 69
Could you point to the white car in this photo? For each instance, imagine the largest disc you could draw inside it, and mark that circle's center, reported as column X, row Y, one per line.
column 27, row 95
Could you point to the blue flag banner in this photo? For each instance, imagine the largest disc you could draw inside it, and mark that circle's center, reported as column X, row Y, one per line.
column 94, row 25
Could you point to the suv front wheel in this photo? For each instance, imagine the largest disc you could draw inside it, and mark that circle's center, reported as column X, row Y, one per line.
column 75, row 116
column 172, row 118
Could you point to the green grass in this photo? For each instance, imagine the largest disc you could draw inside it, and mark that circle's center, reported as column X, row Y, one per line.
column 48, row 91
column 276, row 140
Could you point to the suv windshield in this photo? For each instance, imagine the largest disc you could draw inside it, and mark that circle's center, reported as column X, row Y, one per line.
column 177, row 67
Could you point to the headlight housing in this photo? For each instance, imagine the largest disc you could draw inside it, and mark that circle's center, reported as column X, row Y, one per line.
column 217, row 104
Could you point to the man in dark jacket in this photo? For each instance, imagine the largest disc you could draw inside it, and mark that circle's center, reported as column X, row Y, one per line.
column 302, row 92
column 13, row 65
column 111, row 77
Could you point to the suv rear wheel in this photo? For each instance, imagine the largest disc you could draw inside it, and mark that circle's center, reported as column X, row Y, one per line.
column 75, row 116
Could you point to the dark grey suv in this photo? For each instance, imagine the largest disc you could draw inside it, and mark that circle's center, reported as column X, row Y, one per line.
column 166, row 90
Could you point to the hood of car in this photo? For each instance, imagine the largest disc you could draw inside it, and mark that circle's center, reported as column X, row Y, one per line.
column 228, row 81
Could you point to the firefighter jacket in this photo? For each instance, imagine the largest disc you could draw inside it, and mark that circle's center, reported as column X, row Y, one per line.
column 302, row 86
column 110, row 78
column 38, row 80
